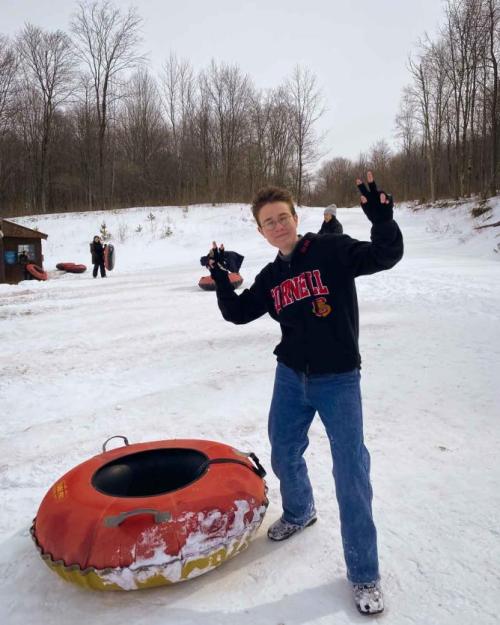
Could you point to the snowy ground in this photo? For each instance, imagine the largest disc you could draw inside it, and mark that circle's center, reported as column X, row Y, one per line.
column 146, row 354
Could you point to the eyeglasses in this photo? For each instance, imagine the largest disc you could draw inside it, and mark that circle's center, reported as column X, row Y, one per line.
column 282, row 220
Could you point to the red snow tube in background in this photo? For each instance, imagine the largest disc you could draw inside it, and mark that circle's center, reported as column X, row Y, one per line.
column 36, row 271
column 71, row 267
column 150, row 513
column 109, row 256
column 207, row 283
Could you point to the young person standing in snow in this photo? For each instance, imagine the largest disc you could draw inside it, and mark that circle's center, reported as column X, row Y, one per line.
column 97, row 251
column 24, row 261
column 330, row 225
column 309, row 289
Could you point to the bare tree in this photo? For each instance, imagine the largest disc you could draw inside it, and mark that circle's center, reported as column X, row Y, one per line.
column 464, row 35
column 29, row 122
column 8, row 72
column 258, row 156
column 282, row 139
column 380, row 158
column 492, row 15
column 307, row 108
column 273, row 147
column 431, row 92
column 334, row 183
column 142, row 130
column 47, row 64
column 106, row 41
column 229, row 95
column 177, row 89
column 85, row 139
column 406, row 121
column 407, row 132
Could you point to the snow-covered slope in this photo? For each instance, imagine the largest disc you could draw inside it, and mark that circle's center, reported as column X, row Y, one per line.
column 145, row 353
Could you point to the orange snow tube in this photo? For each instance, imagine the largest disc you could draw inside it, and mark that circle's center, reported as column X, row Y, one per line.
column 71, row 267
column 207, row 283
column 150, row 514
column 36, row 271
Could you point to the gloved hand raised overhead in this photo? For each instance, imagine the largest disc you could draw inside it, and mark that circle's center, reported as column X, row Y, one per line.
column 377, row 205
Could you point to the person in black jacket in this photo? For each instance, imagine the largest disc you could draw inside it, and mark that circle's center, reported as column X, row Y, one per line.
column 330, row 225
column 97, row 251
column 24, row 260
column 309, row 289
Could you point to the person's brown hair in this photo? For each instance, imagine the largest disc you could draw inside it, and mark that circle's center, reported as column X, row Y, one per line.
column 270, row 194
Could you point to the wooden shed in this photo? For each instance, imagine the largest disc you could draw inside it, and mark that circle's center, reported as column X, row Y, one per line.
column 14, row 240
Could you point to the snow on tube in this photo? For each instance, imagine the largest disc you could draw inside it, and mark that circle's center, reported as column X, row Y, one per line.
column 150, row 514
column 71, row 267
column 109, row 256
column 36, row 271
column 207, row 283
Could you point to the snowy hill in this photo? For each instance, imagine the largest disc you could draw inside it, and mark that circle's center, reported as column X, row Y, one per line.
column 145, row 353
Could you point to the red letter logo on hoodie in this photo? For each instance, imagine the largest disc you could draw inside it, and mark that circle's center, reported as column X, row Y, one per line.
column 321, row 308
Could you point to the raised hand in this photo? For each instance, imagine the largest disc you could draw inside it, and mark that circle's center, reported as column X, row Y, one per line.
column 216, row 254
column 215, row 260
column 377, row 205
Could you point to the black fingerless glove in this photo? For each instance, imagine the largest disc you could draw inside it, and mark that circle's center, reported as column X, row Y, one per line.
column 376, row 211
column 215, row 259
column 218, row 272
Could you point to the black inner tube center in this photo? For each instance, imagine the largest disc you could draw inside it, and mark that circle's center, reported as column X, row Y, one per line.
column 149, row 473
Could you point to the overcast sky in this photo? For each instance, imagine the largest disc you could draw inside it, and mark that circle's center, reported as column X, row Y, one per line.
column 357, row 50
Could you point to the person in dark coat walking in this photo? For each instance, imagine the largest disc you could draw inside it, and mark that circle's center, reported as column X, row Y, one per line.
column 331, row 225
column 97, row 251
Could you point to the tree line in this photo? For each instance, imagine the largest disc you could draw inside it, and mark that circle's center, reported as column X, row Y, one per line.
column 85, row 125
column 448, row 120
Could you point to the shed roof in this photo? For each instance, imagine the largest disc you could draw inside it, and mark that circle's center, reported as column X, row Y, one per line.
column 10, row 229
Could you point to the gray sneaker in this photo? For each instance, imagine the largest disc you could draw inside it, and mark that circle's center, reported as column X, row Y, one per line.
column 368, row 598
column 281, row 529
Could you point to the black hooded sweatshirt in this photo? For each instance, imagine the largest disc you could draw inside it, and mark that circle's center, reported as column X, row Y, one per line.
column 313, row 297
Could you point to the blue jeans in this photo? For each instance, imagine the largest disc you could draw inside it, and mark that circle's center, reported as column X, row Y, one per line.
column 337, row 398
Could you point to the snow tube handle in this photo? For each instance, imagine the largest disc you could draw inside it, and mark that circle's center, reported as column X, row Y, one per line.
column 115, row 521
column 258, row 469
column 261, row 472
column 125, row 440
